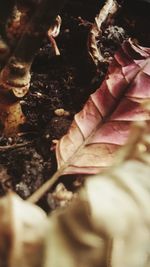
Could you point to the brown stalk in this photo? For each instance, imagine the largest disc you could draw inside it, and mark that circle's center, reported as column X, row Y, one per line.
column 15, row 76
column 106, row 13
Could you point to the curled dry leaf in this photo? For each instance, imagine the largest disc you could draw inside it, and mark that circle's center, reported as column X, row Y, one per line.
column 22, row 233
column 109, row 224
column 103, row 125
column 109, row 9
column 53, row 32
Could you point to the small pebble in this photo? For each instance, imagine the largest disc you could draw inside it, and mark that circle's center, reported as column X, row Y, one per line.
column 47, row 136
column 61, row 112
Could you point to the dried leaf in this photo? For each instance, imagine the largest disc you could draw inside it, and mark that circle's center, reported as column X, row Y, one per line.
column 108, row 10
column 109, row 225
column 103, row 125
column 22, row 233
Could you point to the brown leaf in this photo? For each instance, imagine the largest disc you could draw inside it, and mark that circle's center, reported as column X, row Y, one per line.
column 103, row 125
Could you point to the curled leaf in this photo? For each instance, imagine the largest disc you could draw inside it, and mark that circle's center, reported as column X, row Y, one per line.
column 103, row 125
column 53, row 32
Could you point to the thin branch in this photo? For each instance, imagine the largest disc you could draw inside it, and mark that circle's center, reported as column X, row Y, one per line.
column 14, row 146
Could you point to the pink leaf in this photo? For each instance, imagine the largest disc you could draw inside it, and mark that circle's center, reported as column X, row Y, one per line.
column 103, row 125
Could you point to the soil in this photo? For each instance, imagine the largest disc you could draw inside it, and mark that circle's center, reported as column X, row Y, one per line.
column 63, row 82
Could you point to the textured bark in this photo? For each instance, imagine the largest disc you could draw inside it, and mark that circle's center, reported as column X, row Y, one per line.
column 27, row 39
column 15, row 75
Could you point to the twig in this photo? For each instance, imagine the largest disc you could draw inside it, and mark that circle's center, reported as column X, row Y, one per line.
column 14, row 146
column 46, row 186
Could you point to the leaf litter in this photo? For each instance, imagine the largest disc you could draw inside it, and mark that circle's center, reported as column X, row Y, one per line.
column 44, row 125
column 85, row 234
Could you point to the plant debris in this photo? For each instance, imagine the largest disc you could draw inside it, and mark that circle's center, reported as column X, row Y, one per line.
column 112, row 209
column 66, row 129
column 106, row 13
column 104, row 123
column 63, row 82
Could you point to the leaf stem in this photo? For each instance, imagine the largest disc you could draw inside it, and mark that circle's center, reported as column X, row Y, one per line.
column 46, row 186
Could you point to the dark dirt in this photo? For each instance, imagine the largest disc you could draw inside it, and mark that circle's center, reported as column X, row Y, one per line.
column 65, row 82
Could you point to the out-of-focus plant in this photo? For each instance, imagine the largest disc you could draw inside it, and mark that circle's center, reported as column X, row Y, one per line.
column 23, row 26
column 22, row 233
column 109, row 223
